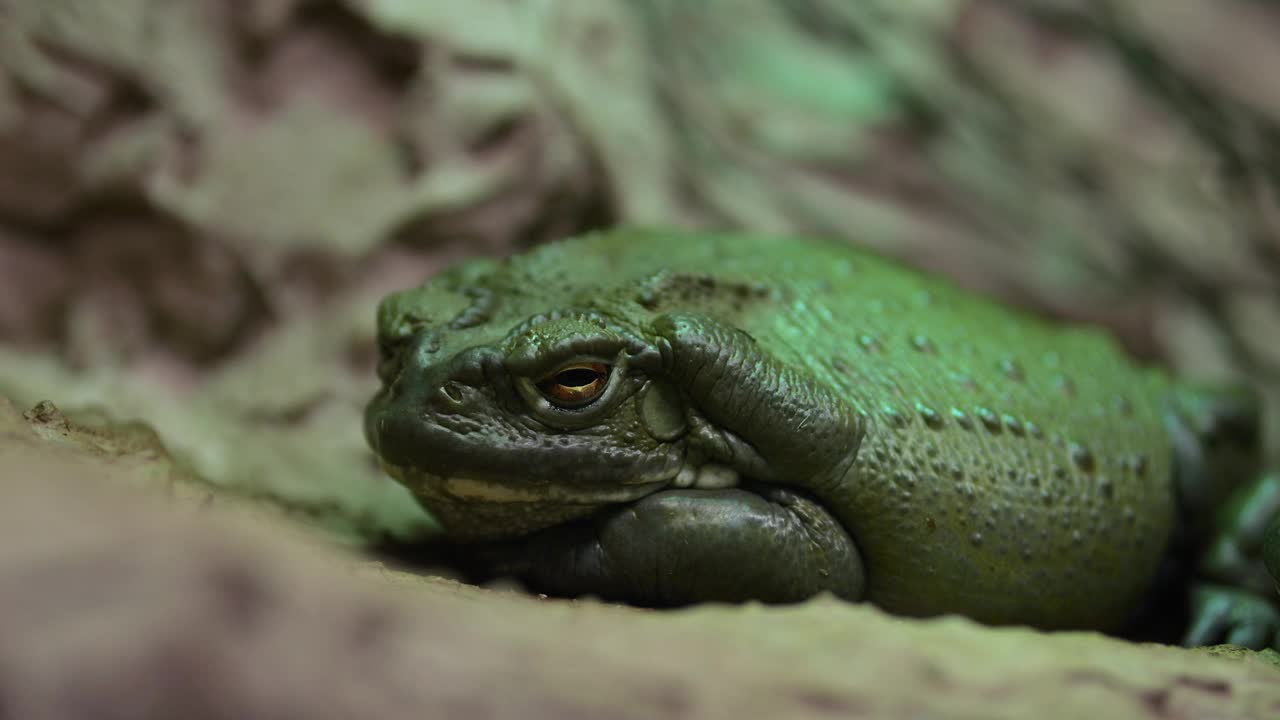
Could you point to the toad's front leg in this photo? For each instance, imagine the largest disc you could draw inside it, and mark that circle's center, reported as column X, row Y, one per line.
column 679, row 547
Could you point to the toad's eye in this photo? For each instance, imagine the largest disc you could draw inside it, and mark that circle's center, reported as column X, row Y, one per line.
column 576, row 385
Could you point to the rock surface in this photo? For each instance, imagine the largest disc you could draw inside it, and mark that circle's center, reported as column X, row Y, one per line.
column 114, row 604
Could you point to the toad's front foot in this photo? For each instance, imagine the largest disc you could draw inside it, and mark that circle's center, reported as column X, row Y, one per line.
column 1224, row 615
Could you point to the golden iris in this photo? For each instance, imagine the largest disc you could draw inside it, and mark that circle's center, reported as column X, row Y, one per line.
column 575, row 385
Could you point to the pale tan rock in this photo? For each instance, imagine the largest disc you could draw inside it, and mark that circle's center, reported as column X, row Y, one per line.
column 114, row 603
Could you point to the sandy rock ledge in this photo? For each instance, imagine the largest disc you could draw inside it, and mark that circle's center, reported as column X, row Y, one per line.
column 117, row 604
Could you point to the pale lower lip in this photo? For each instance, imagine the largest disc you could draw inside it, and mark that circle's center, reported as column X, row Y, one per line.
column 470, row 489
column 486, row 491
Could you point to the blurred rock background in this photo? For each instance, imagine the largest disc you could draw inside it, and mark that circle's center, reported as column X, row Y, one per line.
column 202, row 200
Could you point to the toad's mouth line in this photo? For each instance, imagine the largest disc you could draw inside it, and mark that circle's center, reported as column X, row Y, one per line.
column 709, row 476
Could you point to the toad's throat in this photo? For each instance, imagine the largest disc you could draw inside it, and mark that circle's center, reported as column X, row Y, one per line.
column 709, row 476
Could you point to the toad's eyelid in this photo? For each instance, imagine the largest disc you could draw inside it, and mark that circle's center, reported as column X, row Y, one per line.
column 599, row 369
column 537, row 353
column 556, row 360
